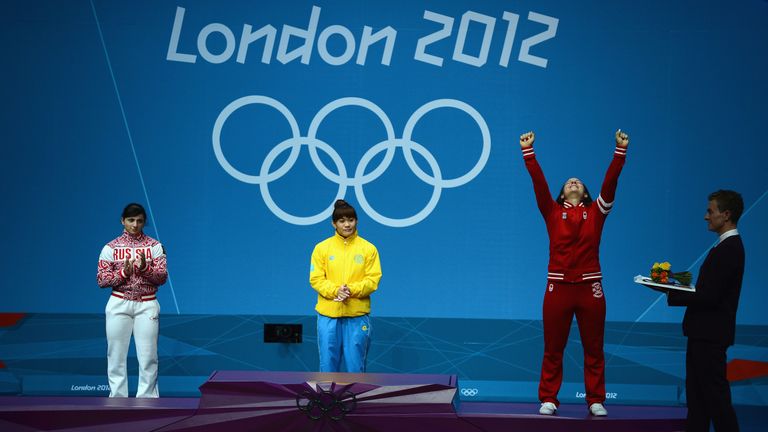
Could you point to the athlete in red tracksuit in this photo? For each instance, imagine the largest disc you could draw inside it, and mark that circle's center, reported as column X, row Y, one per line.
column 575, row 225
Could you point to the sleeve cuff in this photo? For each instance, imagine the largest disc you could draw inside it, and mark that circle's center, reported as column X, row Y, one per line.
column 527, row 152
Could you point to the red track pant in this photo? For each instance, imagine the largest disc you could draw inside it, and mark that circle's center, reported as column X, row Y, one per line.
column 561, row 302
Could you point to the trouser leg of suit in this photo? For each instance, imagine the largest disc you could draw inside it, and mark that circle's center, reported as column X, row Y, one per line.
column 329, row 343
column 146, row 324
column 698, row 417
column 590, row 316
column 708, row 393
column 119, row 326
column 356, row 332
column 557, row 317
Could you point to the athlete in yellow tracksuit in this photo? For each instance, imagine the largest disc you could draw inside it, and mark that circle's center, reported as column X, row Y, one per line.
column 345, row 271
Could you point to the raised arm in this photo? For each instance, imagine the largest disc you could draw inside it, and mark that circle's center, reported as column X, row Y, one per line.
column 608, row 191
column 540, row 187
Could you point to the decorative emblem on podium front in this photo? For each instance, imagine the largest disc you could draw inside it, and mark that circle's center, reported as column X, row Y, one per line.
column 320, row 403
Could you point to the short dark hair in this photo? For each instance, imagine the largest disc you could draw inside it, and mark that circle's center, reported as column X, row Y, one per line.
column 133, row 210
column 586, row 199
column 342, row 209
column 729, row 200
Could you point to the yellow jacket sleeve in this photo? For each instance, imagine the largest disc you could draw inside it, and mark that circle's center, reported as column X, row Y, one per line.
column 318, row 274
column 370, row 281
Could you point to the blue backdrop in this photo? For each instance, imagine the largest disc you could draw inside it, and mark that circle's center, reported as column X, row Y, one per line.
column 238, row 124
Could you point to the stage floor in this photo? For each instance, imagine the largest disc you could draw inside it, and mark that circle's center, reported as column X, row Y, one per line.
column 65, row 414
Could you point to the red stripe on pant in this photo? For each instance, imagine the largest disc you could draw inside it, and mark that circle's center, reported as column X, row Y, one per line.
column 561, row 302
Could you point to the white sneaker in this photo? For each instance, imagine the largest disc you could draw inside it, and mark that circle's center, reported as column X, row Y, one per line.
column 547, row 408
column 597, row 409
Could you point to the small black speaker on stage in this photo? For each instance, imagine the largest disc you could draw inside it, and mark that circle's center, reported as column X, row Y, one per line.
column 282, row 333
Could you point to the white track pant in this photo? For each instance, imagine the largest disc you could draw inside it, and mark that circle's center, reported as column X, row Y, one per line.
column 142, row 319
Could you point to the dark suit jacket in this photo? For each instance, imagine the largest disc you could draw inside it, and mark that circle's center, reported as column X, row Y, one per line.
column 711, row 312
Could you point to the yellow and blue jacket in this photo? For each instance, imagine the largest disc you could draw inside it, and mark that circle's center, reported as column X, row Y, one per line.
column 336, row 261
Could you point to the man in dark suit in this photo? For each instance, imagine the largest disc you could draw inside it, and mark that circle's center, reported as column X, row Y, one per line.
column 710, row 319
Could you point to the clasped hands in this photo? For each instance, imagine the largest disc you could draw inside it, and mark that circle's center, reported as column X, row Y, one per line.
column 343, row 293
column 129, row 265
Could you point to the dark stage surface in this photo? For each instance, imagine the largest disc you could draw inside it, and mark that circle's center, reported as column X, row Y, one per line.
column 182, row 414
column 301, row 401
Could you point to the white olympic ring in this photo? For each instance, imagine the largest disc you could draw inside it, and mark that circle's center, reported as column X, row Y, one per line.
column 390, row 145
column 469, row 392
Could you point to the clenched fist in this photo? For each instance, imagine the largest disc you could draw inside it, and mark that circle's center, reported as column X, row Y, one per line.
column 622, row 139
column 526, row 139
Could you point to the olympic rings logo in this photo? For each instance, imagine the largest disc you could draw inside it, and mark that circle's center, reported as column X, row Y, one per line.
column 469, row 392
column 324, row 403
column 340, row 177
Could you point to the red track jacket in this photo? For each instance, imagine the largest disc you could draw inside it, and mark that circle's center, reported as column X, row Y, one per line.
column 574, row 231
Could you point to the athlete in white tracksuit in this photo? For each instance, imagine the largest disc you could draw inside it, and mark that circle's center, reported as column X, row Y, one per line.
column 133, row 265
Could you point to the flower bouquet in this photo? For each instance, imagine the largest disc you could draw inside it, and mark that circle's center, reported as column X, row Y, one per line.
column 662, row 273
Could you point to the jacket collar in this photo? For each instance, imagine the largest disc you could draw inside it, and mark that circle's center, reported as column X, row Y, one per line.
column 134, row 237
column 348, row 239
column 729, row 233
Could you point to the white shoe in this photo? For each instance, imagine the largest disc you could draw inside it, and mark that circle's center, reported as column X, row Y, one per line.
column 547, row 408
column 597, row 409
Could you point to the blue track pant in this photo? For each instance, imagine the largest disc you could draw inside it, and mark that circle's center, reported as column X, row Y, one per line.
column 347, row 337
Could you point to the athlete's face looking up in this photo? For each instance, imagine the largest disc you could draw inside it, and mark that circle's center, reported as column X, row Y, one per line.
column 573, row 188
